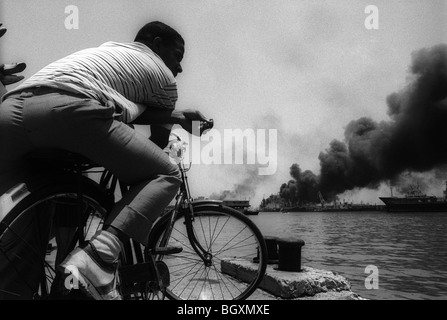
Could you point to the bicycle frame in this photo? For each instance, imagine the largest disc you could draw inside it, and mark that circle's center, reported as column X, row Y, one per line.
column 184, row 204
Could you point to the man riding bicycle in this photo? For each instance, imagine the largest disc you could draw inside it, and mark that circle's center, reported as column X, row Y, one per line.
column 84, row 103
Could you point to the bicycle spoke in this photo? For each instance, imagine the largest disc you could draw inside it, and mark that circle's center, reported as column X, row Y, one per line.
column 235, row 246
column 181, row 233
column 224, row 234
column 195, row 284
column 219, row 275
column 204, row 235
column 15, row 269
column 32, row 249
column 186, row 266
column 221, row 229
column 240, row 247
column 214, row 230
column 204, row 283
column 234, row 237
column 23, row 240
column 191, row 274
column 191, row 270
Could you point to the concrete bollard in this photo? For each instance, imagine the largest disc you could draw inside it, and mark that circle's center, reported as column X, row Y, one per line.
column 289, row 254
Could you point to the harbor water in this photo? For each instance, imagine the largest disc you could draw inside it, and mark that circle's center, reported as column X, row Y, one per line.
column 406, row 253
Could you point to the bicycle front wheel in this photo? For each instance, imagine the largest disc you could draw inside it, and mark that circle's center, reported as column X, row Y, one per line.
column 235, row 252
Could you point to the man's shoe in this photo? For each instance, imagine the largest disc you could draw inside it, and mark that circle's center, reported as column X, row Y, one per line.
column 85, row 270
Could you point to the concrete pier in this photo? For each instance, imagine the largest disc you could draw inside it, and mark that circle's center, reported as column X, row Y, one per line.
column 308, row 284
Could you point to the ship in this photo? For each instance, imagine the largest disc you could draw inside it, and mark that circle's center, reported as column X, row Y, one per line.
column 242, row 206
column 416, row 201
column 297, row 209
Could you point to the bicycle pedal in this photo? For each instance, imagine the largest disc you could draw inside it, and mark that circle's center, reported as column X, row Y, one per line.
column 167, row 250
column 140, row 272
column 136, row 278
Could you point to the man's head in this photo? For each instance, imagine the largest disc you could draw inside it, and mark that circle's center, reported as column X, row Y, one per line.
column 164, row 41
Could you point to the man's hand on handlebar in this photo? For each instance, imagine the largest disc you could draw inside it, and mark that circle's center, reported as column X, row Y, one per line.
column 190, row 118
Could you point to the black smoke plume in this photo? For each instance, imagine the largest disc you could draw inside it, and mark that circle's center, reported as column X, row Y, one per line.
column 303, row 189
column 413, row 140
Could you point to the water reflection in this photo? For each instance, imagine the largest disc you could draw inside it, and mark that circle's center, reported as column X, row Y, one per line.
column 410, row 250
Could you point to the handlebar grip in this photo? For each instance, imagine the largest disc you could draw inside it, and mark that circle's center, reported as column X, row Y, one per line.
column 206, row 125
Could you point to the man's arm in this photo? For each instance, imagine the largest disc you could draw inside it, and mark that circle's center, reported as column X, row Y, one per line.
column 186, row 118
column 152, row 116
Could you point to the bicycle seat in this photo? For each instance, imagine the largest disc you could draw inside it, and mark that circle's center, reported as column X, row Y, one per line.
column 59, row 157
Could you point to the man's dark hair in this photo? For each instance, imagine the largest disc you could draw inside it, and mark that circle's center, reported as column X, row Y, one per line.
column 158, row 29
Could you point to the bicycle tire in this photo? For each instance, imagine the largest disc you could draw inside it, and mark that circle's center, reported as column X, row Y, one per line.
column 26, row 270
column 230, row 276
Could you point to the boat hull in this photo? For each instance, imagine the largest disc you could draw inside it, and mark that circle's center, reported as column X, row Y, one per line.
column 423, row 204
column 251, row 212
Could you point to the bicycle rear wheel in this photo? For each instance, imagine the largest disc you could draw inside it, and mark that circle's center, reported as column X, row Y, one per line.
column 232, row 243
column 40, row 231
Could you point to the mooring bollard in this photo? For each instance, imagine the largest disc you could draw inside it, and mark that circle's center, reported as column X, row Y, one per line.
column 272, row 250
column 289, row 254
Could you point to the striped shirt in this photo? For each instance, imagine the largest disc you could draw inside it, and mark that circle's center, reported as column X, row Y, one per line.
column 129, row 74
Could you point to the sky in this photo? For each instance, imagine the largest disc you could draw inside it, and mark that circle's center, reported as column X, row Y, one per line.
column 303, row 68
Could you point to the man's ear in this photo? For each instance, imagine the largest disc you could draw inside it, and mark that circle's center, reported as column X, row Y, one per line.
column 156, row 44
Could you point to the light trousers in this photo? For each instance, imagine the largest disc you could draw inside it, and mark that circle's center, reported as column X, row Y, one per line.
column 49, row 118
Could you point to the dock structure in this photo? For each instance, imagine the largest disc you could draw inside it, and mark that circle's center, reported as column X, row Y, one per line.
column 306, row 284
column 239, row 205
column 285, row 278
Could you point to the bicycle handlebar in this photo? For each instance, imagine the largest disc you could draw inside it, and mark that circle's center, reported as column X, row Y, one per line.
column 176, row 150
column 206, row 125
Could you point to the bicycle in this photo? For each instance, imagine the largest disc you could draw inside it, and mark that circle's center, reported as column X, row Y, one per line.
column 47, row 216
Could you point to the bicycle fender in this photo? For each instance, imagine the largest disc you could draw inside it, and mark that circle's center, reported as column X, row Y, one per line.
column 207, row 203
column 217, row 204
column 13, row 196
